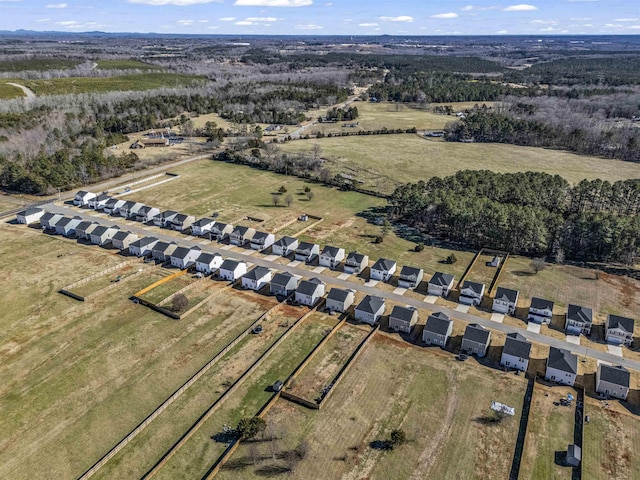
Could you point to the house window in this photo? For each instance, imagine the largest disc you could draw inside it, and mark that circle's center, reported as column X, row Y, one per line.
column 428, row 340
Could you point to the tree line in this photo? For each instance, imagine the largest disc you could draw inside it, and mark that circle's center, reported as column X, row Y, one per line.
column 527, row 213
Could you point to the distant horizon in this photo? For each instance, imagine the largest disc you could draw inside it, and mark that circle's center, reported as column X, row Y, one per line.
column 338, row 17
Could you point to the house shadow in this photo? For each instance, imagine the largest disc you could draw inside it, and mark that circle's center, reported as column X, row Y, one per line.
column 557, row 322
column 384, row 324
column 373, row 214
column 632, row 403
column 453, row 344
column 491, row 358
column 521, row 313
column 537, row 366
column 523, row 273
column 365, row 274
column 598, row 333
column 560, row 458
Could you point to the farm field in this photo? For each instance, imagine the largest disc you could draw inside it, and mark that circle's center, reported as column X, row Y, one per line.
column 550, row 430
column 68, row 368
column 10, row 91
column 37, row 64
column 438, row 402
column 384, row 161
column 104, row 281
column 124, row 64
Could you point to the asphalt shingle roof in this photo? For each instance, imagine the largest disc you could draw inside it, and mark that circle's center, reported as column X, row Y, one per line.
column 476, row 333
column 355, row 258
column 517, row 345
column 438, row 323
column 384, row 264
column 331, row 251
column 286, row 241
column 370, row 304
column 257, row 273
column 441, row 279
column 580, row 314
column 506, row 295
column 404, row 314
column 615, row 374
column 410, row 273
column 282, row 279
column 541, row 304
column 338, row 294
column 309, row 287
column 623, row 323
column 475, row 286
column 562, row 360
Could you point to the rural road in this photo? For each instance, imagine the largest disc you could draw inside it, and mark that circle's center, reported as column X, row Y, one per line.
column 256, row 259
column 296, row 134
column 27, row 91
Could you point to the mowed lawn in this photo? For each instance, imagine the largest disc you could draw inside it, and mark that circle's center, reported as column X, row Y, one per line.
column 77, row 376
column 384, row 161
column 440, row 404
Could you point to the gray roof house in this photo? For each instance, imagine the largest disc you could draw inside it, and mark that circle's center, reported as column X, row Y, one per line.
column 82, row 198
column 262, row 240
column 49, row 220
column 208, row 262
column 67, row 226
column 339, row 299
column 356, row 262
column 184, row 257
column 146, row 214
column 619, row 330
column 112, row 207
column 241, row 235
column 285, row 246
column 283, row 284
column 165, row 218
column 256, row 278
column 516, row 352
column 98, row 203
column 84, row 229
column 402, row 319
column 579, row 320
column 370, row 309
column 231, row 270
column 220, row 231
column 437, row 330
column 130, row 209
column 410, row 277
column 122, row 240
column 440, row 284
column 306, row 252
column 102, row 235
column 562, row 366
column 182, row 221
column 309, row 291
column 202, row 226
column 29, row 216
column 540, row 311
column 613, row 381
column 574, row 455
column 471, row 293
column 475, row 340
column 383, row 270
column 331, row 256
column 143, row 247
column 505, row 300
column 162, row 251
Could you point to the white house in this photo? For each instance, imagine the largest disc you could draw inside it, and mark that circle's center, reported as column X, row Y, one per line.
column 130, row 209
column 123, row 240
column 471, row 293
column 410, row 277
column 241, row 235
column 578, row 320
column 440, row 284
column 306, row 252
column 112, row 207
column 562, row 366
column 49, row 220
column 202, row 226
column 476, row 340
column 182, row 221
column 220, row 231
column 613, row 381
column 516, row 352
column 383, row 270
column 619, row 330
column 339, row 300
column 184, row 257
column 331, row 256
column 402, row 319
column 67, row 226
column 309, row 292
column 143, row 247
column 437, row 330
column 84, row 229
column 102, row 235
column 146, row 214
column 162, row 251
column 540, row 311
column 82, row 198
column 98, row 203
column 164, row 219
column 208, row 262
column 370, row 309
column 29, row 216
column 262, row 240
column 256, row 278
column 505, row 300
column 285, row 246
column 356, row 262
column 283, row 284
column 231, row 270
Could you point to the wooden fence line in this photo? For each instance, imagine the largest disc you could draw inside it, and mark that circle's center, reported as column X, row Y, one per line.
column 160, row 282
column 112, row 286
column 186, row 288
column 206, row 300
column 469, row 267
column 71, row 286
column 120, row 445
column 307, row 228
column 498, row 274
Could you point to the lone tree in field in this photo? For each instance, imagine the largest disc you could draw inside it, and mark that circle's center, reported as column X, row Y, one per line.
column 307, row 189
column 451, row 259
column 537, row 265
column 179, row 302
column 419, row 247
column 289, row 200
column 275, row 198
column 386, row 228
column 282, row 189
column 250, row 427
column 310, row 195
column 397, row 438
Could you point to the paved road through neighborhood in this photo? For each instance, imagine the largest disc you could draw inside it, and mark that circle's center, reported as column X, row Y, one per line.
column 345, row 283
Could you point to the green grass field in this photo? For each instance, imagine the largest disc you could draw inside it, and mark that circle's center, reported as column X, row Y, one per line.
column 10, row 91
column 384, row 161
column 126, row 65
column 38, row 64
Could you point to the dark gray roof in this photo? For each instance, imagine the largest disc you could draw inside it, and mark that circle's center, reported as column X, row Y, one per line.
column 121, row 235
column 63, row 221
column 580, row 314
column 282, row 279
column 180, row 217
column 541, row 304
column 309, row 287
column 475, row 286
column 128, row 204
column 438, row 323
column 30, row 211
column 623, row 323
column 83, row 225
column 82, row 193
column 384, row 264
column 441, row 279
column 181, row 252
column 404, row 314
column 260, row 236
column 562, row 360
column 99, row 230
column 338, row 294
column 167, row 214
column 331, row 251
column 229, row 264
column 476, row 333
column 101, row 197
column 286, row 241
column 219, row 226
column 144, row 210
column 162, row 246
column 370, row 304
column 206, row 257
column 48, row 216
column 615, row 374
column 257, row 273
column 506, row 295
column 517, row 345
column 145, row 241
column 240, row 230
column 355, row 258
column 203, row 221
column 410, row 273
column 305, row 247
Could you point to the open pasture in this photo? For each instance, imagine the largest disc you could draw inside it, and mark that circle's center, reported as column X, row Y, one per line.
column 125, row 64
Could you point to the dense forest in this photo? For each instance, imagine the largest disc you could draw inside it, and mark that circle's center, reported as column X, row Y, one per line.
column 527, row 213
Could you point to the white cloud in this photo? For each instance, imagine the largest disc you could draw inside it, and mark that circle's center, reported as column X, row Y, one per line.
column 213, row 27
column 56, row 5
column 43, row 20
column 548, row 29
column 261, row 19
column 273, row 3
column 445, row 15
column 544, row 22
column 521, row 7
column 328, row 4
column 67, row 23
column 581, row 19
column 177, row 3
column 627, row 19
column 227, row 19
column 502, row 32
column 309, row 26
column 367, row 24
column 467, row 8
column 243, row 23
column 186, row 22
column 401, row 18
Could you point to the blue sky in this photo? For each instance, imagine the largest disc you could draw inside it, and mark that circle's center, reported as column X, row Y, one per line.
column 326, row 17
